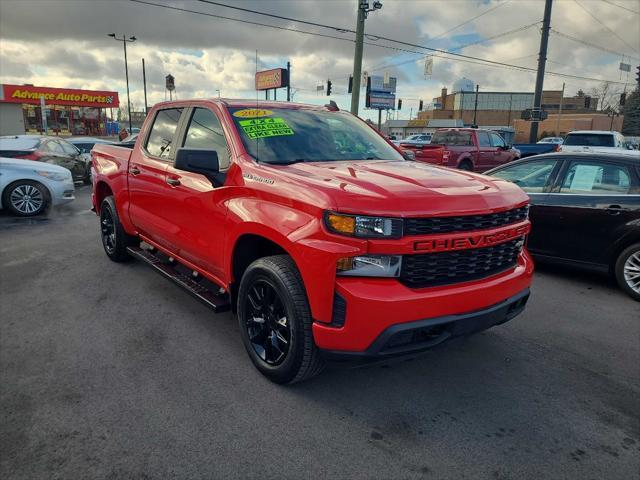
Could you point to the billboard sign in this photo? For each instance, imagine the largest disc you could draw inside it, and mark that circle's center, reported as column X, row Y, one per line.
column 381, row 92
column 59, row 96
column 274, row 78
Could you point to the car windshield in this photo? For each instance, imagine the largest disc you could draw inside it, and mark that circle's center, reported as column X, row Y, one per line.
column 589, row 140
column 286, row 135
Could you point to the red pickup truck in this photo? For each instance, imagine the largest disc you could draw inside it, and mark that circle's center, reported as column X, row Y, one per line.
column 314, row 230
column 469, row 149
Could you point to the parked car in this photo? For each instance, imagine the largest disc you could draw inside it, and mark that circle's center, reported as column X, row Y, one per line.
column 46, row 149
column 85, row 144
column 415, row 140
column 314, row 229
column 554, row 140
column 27, row 187
column 464, row 148
column 530, row 149
column 585, row 211
column 597, row 141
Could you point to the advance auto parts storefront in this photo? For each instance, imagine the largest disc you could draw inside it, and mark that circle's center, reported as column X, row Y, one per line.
column 68, row 111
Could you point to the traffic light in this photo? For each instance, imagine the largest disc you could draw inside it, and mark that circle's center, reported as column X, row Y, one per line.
column 638, row 75
column 623, row 99
column 350, row 84
column 399, row 104
column 420, row 107
column 328, row 87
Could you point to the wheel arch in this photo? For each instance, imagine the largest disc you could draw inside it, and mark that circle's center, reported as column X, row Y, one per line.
column 102, row 191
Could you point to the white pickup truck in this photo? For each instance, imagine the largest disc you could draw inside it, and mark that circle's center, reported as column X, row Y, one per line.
column 596, row 141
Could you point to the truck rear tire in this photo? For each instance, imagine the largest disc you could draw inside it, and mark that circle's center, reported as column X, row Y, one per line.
column 466, row 165
column 114, row 239
column 275, row 321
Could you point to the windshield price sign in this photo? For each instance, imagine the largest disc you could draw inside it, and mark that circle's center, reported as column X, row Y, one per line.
column 265, row 127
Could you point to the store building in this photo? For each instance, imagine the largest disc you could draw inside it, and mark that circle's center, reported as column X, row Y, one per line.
column 67, row 111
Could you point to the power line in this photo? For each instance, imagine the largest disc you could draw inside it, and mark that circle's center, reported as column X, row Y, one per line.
column 633, row 49
column 589, row 44
column 620, row 6
column 459, row 56
column 469, row 20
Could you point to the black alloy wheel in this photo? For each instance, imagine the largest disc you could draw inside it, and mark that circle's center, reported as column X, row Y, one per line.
column 267, row 324
column 108, row 230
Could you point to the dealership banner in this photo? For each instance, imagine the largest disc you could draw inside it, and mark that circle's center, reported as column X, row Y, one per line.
column 58, row 96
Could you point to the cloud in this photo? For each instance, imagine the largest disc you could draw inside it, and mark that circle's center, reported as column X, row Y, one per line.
column 64, row 43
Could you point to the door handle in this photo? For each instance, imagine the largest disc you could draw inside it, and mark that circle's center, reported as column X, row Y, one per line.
column 134, row 170
column 614, row 209
column 174, row 182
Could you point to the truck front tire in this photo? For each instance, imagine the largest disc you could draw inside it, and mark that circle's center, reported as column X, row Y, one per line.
column 275, row 321
column 114, row 239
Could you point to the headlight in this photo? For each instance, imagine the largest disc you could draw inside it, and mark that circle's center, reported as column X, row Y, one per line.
column 363, row 227
column 57, row 176
column 370, row 266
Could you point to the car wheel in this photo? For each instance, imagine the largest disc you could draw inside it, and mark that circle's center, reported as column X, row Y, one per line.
column 466, row 165
column 275, row 321
column 114, row 239
column 627, row 270
column 26, row 198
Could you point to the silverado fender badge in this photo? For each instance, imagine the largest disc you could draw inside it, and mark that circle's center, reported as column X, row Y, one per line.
column 463, row 242
column 249, row 176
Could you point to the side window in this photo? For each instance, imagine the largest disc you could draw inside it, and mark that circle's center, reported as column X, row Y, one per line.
column 205, row 131
column 53, row 146
column 483, row 139
column 68, row 148
column 496, row 140
column 162, row 132
column 594, row 178
column 531, row 176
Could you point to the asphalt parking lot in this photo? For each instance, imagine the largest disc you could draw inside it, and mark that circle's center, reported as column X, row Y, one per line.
column 111, row 371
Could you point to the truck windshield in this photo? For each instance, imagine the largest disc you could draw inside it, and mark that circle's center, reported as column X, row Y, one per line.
column 589, row 140
column 286, row 135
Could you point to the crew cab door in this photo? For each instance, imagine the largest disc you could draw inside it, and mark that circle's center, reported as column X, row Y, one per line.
column 193, row 206
column 486, row 152
column 501, row 154
column 147, row 175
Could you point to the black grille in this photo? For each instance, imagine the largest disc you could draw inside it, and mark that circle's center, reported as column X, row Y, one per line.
column 423, row 226
column 442, row 268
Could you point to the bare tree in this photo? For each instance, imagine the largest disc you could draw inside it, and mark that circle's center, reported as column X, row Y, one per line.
column 608, row 98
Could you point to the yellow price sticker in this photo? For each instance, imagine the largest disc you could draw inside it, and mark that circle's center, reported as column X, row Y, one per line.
column 252, row 113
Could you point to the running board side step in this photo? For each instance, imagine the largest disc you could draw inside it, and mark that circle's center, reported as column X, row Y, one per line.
column 219, row 303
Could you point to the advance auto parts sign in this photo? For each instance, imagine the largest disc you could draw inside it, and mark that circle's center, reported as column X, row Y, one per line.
column 275, row 78
column 265, row 127
column 59, row 96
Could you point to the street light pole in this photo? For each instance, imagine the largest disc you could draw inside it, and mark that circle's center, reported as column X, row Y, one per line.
column 124, row 41
column 363, row 11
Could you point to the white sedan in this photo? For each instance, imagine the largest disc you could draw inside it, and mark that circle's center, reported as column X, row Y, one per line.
column 28, row 188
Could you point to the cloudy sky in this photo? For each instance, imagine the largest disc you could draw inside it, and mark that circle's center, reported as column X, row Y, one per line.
column 64, row 43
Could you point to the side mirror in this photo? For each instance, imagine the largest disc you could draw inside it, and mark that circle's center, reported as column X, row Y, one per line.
column 204, row 162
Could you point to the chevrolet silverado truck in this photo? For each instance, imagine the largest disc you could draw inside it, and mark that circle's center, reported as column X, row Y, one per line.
column 469, row 149
column 314, row 230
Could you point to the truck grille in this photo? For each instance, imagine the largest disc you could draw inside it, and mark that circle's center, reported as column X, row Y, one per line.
column 424, row 226
column 442, row 268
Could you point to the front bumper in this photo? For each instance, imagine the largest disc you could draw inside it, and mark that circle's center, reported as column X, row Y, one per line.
column 373, row 306
column 62, row 192
column 414, row 337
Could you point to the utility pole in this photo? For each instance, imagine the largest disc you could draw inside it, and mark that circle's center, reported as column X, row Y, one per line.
column 363, row 11
column 379, row 118
column 124, row 41
column 288, row 81
column 144, row 83
column 475, row 108
column 559, row 112
column 542, row 61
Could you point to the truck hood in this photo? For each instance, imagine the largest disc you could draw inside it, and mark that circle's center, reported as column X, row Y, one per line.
column 405, row 188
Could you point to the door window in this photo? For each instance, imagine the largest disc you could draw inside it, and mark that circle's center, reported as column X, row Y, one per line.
column 594, row 178
column 205, row 132
column 162, row 132
column 53, row 147
column 68, row 148
column 497, row 141
column 483, row 139
column 530, row 176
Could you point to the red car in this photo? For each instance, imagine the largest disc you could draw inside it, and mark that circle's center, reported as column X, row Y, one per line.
column 310, row 226
column 469, row 149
